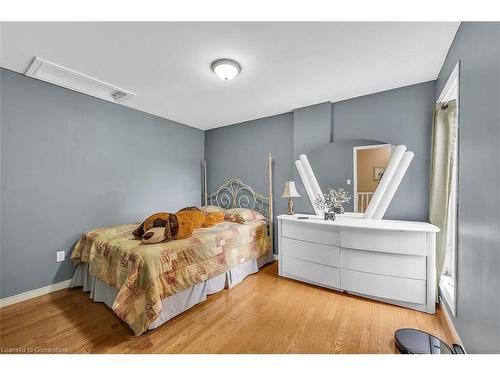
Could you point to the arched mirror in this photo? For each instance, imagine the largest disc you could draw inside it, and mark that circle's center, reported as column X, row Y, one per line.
column 357, row 165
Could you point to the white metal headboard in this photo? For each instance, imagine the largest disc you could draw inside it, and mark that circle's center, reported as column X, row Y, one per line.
column 234, row 193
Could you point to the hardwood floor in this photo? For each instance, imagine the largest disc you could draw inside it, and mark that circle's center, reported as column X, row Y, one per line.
column 263, row 314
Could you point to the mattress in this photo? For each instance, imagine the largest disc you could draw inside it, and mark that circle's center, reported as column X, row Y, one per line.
column 145, row 275
column 177, row 303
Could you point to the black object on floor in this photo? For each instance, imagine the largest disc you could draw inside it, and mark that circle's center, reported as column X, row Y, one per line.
column 414, row 341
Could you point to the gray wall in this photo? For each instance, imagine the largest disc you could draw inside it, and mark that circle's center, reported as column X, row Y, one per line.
column 399, row 116
column 312, row 128
column 70, row 162
column 241, row 151
column 477, row 47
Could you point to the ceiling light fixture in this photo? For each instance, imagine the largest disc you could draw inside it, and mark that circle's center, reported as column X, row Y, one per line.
column 226, row 69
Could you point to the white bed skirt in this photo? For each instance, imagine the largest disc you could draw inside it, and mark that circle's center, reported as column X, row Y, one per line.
column 177, row 303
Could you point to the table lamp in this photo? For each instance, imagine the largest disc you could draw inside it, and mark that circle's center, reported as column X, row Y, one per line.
column 290, row 192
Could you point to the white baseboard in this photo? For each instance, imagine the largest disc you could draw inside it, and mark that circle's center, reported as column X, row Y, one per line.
column 449, row 322
column 34, row 293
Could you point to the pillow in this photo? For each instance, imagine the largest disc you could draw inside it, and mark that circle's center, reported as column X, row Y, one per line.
column 210, row 209
column 242, row 215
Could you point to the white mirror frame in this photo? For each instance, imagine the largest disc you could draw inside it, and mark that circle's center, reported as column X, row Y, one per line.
column 307, row 185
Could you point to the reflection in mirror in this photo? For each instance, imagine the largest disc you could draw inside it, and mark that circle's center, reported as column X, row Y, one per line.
column 350, row 165
column 369, row 163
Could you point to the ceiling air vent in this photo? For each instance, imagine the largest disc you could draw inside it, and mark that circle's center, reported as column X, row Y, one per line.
column 61, row 76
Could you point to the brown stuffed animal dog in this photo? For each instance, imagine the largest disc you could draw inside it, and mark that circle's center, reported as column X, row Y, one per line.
column 163, row 226
column 166, row 226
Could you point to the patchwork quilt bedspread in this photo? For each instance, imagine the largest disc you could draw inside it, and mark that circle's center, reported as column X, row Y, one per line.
column 146, row 274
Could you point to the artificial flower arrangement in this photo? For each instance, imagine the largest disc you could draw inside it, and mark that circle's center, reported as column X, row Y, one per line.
column 332, row 202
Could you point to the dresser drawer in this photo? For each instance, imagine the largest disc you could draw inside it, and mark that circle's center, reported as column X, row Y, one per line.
column 304, row 231
column 310, row 272
column 312, row 252
column 409, row 266
column 390, row 287
column 389, row 241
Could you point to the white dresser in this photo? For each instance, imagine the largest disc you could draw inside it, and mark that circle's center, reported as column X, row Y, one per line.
column 388, row 260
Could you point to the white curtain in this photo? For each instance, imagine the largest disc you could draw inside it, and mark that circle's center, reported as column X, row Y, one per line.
column 443, row 153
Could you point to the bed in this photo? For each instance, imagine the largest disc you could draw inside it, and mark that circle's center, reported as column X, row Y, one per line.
column 148, row 284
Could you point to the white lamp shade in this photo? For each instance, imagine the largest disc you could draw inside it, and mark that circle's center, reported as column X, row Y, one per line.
column 290, row 190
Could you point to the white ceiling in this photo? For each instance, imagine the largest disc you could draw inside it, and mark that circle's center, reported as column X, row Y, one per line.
column 284, row 65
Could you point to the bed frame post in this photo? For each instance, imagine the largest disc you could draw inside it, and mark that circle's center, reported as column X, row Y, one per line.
column 271, row 220
column 205, row 191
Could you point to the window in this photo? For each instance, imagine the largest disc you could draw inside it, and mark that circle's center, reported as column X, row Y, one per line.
column 447, row 282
